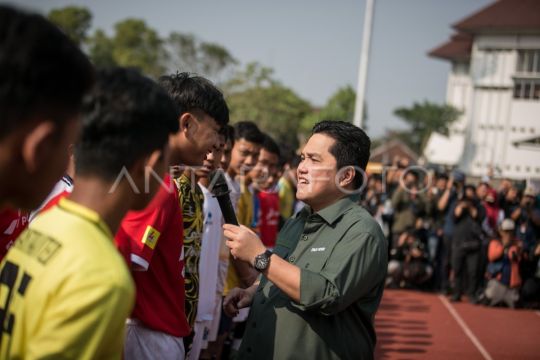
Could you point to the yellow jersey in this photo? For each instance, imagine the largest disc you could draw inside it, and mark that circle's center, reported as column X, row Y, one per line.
column 65, row 291
column 245, row 217
column 287, row 197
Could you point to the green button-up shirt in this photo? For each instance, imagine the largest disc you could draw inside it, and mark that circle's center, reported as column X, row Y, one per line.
column 342, row 254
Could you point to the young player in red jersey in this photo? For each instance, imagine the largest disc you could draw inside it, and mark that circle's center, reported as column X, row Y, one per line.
column 152, row 239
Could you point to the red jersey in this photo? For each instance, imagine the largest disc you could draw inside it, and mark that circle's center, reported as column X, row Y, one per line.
column 12, row 223
column 268, row 217
column 151, row 240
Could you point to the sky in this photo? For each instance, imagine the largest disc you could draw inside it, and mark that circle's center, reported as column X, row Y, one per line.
column 313, row 45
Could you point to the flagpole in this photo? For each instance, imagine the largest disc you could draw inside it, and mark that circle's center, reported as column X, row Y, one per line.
column 363, row 65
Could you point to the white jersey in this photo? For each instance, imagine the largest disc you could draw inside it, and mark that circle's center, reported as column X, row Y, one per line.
column 208, row 263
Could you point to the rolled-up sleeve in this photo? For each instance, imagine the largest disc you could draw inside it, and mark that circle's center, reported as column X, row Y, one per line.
column 353, row 270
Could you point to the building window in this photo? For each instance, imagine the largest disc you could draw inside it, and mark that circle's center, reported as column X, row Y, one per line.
column 527, row 81
column 528, row 89
column 528, row 62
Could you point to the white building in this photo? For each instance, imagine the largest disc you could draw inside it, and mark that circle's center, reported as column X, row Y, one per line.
column 495, row 81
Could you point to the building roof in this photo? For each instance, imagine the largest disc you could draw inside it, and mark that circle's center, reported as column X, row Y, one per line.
column 386, row 152
column 457, row 48
column 503, row 15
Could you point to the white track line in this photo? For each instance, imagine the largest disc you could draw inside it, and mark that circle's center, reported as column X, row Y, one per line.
column 465, row 328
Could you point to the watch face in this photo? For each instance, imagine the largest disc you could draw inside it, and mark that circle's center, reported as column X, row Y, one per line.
column 261, row 262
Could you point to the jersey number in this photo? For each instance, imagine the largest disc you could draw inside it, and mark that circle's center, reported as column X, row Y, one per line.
column 8, row 277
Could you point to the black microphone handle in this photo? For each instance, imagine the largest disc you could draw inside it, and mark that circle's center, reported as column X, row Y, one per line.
column 227, row 209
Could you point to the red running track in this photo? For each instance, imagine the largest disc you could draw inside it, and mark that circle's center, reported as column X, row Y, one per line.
column 415, row 325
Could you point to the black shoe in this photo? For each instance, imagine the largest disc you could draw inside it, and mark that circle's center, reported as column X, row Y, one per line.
column 455, row 298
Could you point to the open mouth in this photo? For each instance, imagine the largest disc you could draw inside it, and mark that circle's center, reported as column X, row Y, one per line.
column 303, row 181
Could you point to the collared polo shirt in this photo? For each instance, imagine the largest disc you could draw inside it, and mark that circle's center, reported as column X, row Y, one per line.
column 342, row 254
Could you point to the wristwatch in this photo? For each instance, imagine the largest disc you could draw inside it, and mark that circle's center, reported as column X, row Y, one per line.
column 262, row 261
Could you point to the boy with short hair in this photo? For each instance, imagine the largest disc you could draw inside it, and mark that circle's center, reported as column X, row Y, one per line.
column 44, row 77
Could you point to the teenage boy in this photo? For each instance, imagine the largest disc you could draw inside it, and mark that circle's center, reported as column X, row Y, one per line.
column 244, row 157
column 44, row 77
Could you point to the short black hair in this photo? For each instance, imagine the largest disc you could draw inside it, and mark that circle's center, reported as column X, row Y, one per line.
column 270, row 145
column 351, row 147
column 442, row 176
column 42, row 72
column 228, row 133
column 247, row 130
column 287, row 153
column 192, row 92
column 125, row 117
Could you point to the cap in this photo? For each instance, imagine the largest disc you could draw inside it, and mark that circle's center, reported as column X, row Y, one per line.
column 529, row 191
column 508, row 225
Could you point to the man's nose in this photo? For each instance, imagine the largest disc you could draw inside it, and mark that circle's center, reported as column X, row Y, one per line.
column 250, row 160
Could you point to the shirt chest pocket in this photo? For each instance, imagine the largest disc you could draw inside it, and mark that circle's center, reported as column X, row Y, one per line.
column 314, row 257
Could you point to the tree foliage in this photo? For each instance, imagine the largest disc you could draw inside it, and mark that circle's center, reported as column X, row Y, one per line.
column 253, row 94
column 135, row 44
column 101, row 49
column 188, row 53
column 73, row 20
column 424, row 119
column 340, row 106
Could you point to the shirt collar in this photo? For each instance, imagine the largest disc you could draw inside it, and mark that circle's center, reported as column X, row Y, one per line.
column 85, row 213
column 331, row 213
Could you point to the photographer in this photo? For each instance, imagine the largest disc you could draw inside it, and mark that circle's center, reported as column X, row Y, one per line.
column 446, row 204
column 466, row 243
column 503, row 268
column 408, row 203
column 527, row 219
column 409, row 265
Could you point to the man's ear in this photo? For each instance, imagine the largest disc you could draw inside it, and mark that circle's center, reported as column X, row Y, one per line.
column 38, row 144
column 346, row 176
column 188, row 124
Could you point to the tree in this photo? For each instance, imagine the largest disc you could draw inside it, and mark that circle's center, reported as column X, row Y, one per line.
column 253, row 94
column 101, row 49
column 423, row 119
column 73, row 20
column 137, row 45
column 340, row 106
column 187, row 53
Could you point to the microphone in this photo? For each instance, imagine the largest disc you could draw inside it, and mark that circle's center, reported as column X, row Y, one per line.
column 219, row 188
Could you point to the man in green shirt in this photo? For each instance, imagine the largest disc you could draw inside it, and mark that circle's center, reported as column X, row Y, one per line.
column 322, row 285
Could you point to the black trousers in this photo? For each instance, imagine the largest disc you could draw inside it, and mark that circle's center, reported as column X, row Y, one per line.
column 465, row 264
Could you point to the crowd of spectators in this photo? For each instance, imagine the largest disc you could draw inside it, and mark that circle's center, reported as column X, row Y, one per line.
column 459, row 236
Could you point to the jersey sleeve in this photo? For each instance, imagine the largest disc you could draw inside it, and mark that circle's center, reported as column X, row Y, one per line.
column 141, row 231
